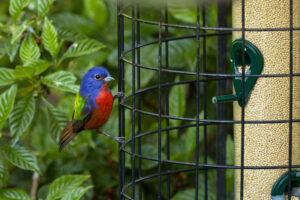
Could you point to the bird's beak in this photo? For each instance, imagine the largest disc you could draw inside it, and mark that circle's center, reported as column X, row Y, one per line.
column 108, row 79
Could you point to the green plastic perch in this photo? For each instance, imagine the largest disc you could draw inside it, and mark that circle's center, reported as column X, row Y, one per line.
column 281, row 185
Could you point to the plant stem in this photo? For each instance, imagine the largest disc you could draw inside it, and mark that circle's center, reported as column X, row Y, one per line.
column 35, row 184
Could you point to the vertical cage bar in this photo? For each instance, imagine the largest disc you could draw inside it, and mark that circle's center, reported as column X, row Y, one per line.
column 159, row 102
column 221, row 108
column 290, row 102
column 204, row 100
column 197, row 100
column 243, row 102
column 167, row 97
column 123, row 109
column 139, row 98
column 133, row 103
column 121, row 167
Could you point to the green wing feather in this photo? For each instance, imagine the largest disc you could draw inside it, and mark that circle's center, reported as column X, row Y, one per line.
column 82, row 113
column 78, row 108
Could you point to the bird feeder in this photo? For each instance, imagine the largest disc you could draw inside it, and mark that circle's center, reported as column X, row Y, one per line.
column 274, row 99
column 265, row 65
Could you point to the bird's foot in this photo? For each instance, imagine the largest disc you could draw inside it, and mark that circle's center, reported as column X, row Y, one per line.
column 117, row 139
column 119, row 95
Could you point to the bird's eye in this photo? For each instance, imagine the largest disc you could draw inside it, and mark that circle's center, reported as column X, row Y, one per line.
column 98, row 77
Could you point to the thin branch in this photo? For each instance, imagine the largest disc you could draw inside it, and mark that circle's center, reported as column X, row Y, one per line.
column 35, row 184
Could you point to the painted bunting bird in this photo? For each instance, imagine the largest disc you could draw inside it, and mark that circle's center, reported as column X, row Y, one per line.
column 93, row 105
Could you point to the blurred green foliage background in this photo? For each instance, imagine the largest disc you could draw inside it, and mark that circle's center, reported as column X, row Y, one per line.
column 46, row 46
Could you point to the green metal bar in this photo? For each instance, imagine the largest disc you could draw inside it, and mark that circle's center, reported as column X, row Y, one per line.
column 225, row 98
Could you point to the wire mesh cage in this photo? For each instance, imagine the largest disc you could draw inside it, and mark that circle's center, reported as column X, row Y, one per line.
column 176, row 116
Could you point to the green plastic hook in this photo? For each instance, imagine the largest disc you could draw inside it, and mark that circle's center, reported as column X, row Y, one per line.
column 253, row 66
column 281, row 185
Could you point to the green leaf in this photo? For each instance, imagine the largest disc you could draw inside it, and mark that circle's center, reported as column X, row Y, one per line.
column 182, row 52
column 96, row 10
column 83, row 47
column 29, row 50
column 23, row 72
column 186, row 194
column 4, row 176
column 151, row 151
column 189, row 193
column 7, row 100
column 30, row 69
column 20, row 157
column 76, row 193
column 39, row 66
column 79, row 23
column 21, row 116
column 12, row 49
column 57, row 121
column 6, row 76
column 146, row 76
column 3, row 26
column 49, row 38
column 178, row 150
column 186, row 15
column 44, row 6
column 16, row 7
column 61, row 80
column 69, row 34
column 229, row 150
column 190, row 138
column 177, row 102
column 61, row 186
column 3, row 46
column 229, row 161
column 14, row 194
column 18, row 30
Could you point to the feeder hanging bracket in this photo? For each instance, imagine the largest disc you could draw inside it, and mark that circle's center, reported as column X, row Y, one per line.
column 253, row 65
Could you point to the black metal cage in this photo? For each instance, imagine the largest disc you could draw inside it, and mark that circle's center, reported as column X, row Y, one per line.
column 135, row 111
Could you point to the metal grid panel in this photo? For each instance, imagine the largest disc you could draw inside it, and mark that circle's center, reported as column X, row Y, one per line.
column 201, row 78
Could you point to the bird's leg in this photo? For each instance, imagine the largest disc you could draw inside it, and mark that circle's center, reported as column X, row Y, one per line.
column 117, row 139
column 118, row 95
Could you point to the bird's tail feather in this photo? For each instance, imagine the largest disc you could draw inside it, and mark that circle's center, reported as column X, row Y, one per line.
column 67, row 135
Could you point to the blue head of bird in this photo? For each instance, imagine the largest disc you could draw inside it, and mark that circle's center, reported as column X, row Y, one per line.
column 93, row 81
